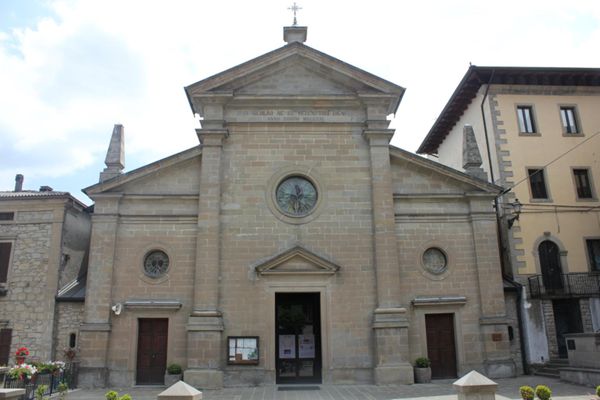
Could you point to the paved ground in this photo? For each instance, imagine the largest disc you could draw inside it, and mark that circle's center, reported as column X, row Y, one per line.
column 439, row 390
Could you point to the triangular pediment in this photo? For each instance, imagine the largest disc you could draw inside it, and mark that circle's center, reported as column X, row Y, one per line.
column 294, row 69
column 296, row 261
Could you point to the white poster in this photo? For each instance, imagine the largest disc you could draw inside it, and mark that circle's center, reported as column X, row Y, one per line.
column 306, row 344
column 287, row 346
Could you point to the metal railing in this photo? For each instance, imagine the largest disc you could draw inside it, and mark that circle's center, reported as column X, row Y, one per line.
column 51, row 380
column 565, row 285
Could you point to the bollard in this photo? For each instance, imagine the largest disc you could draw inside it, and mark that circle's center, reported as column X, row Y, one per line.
column 180, row 391
column 11, row 393
column 474, row 386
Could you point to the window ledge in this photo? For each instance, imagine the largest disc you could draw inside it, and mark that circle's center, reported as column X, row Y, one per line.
column 541, row 200
column 573, row 134
column 532, row 134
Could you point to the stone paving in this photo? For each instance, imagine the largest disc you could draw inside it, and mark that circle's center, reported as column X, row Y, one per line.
column 438, row 390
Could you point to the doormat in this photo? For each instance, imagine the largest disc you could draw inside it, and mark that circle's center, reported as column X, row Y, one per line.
column 286, row 388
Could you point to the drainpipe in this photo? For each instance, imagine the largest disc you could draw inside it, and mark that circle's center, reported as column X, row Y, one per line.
column 498, row 226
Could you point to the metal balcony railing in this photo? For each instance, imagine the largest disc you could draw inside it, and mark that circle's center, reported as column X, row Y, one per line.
column 565, row 285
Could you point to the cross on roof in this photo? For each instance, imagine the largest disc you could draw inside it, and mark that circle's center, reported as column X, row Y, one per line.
column 295, row 8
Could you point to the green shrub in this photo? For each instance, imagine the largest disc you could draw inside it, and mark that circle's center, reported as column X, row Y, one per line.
column 39, row 392
column 174, row 369
column 63, row 388
column 527, row 392
column 422, row 362
column 112, row 395
column 125, row 397
column 598, row 390
column 543, row 392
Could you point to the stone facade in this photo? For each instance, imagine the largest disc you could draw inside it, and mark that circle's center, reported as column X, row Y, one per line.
column 49, row 236
column 212, row 209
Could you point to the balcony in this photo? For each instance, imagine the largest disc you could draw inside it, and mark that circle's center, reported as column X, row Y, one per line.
column 564, row 285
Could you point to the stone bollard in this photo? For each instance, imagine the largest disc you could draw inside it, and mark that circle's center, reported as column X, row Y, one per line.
column 474, row 386
column 180, row 391
column 11, row 393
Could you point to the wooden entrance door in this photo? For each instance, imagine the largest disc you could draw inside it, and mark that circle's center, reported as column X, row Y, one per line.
column 298, row 337
column 152, row 351
column 441, row 348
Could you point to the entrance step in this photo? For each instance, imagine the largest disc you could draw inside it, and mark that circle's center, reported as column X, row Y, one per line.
column 552, row 368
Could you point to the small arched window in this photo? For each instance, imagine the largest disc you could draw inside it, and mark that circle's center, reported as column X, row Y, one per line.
column 72, row 340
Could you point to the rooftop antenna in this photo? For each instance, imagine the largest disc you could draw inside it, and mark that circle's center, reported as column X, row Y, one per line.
column 295, row 8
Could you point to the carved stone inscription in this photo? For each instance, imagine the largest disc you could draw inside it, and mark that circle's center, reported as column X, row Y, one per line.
column 279, row 115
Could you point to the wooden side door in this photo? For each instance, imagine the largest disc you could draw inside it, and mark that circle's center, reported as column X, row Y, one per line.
column 152, row 351
column 441, row 347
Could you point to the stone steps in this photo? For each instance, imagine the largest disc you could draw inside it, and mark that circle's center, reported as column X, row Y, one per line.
column 552, row 368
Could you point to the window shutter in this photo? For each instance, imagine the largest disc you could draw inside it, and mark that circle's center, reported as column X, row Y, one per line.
column 4, row 260
column 5, row 339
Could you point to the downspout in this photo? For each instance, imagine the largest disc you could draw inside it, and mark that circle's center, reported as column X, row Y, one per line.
column 498, row 225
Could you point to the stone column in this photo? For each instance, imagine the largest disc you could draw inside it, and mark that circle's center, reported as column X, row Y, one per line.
column 205, row 324
column 95, row 329
column 493, row 322
column 389, row 322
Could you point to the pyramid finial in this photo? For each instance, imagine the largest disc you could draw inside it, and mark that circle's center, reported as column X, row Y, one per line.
column 115, row 156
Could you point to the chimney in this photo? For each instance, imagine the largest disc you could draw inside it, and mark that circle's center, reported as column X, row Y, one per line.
column 45, row 189
column 19, row 183
column 115, row 156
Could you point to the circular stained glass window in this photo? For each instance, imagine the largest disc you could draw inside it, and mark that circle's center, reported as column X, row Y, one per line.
column 296, row 196
column 435, row 261
column 156, row 263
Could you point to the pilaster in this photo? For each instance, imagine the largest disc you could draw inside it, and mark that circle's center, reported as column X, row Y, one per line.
column 205, row 324
column 95, row 329
column 492, row 322
column 390, row 323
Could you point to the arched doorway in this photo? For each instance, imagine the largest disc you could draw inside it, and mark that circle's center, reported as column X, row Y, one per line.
column 550, row 266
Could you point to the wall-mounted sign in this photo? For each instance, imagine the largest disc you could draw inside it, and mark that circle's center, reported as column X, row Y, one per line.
column 242, row 350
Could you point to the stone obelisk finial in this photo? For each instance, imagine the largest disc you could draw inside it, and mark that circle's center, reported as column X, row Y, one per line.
column 115, row 156
column 471, row 155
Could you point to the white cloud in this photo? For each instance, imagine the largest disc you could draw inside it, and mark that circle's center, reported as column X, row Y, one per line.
column 65, row 81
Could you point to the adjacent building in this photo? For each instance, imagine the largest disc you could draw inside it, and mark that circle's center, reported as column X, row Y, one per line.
column 44, row 238
column 538, row 131
column 293, row 244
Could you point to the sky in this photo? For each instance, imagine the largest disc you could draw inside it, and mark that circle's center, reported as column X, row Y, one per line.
column 70, row 70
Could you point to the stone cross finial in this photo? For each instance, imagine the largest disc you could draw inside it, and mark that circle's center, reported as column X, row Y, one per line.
column 115, row 156
column 295, row 8
column 471, row 156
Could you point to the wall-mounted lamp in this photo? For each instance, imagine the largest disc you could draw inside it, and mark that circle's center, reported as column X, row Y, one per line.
column 515, row 212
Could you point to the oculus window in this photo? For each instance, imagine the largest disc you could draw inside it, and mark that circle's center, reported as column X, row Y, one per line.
column 296, row 196
column 156, row 263
column 435, row 261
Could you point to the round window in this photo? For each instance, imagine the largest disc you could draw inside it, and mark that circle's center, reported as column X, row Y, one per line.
column 156, row 263
column 296, row 196
column 435, row 261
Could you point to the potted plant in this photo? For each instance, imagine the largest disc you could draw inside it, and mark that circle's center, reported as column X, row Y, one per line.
column 174, row 374
column 527, row 392
column 422, row 370
column 23, row 372
column 63, row 389
column 40, row 391
column 20, row 355
column 543, row 392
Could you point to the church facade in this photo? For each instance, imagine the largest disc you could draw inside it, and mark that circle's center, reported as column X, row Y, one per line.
column 293, row 245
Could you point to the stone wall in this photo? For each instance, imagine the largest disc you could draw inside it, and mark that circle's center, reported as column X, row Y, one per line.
column 69, row 316
column 27, row 307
